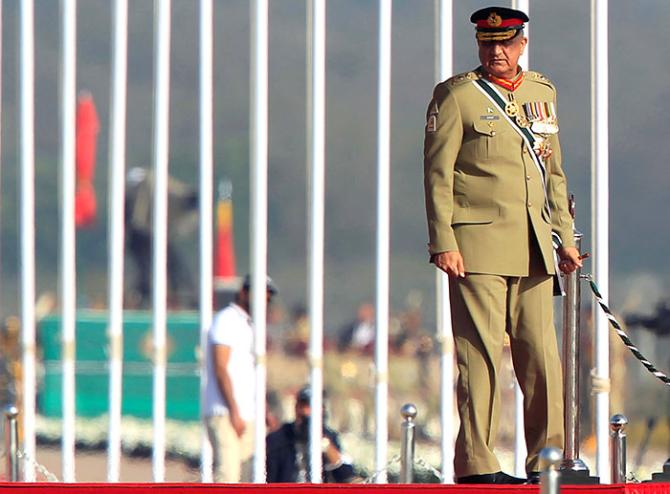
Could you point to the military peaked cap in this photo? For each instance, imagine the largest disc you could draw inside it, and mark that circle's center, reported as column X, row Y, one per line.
column 498, row 23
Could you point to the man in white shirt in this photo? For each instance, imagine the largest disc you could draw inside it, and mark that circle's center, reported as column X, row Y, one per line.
column 229, row 394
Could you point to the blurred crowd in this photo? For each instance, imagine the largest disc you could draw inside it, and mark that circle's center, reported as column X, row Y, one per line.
column 407, row 332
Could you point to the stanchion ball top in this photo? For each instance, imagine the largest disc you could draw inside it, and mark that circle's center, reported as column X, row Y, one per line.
column 550, row 457
column 618, row 421
column 408, row 411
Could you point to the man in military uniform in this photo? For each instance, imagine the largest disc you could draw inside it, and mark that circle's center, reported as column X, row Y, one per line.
column 496, row 201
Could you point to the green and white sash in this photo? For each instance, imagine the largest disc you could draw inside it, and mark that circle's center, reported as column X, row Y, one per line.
column 530, row 140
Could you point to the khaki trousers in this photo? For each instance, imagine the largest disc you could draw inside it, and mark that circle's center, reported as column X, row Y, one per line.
column 483, row 308
column 233, row 455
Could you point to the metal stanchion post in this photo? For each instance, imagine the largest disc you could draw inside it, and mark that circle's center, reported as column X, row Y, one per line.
column 618, row 447
column 408, row 426
column 550, row 482
column 571, row 324
column 12, row 443
column 573, row 469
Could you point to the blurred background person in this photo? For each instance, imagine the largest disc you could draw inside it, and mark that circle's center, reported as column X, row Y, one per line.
column 182, row 221
column 359, row 335
column 288, row 449
column 296, row 338
column 229, row 393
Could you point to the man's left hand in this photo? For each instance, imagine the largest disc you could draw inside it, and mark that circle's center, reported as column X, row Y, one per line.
column 570, row 259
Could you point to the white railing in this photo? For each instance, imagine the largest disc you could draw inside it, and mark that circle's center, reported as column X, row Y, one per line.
column 259, row 190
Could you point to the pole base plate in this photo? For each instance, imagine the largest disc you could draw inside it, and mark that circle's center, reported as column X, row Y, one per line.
column 578, row 477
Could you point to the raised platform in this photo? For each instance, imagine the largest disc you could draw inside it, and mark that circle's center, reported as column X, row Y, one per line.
column 100, row 488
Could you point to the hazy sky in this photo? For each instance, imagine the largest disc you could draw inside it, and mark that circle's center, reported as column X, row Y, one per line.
column 559, row 47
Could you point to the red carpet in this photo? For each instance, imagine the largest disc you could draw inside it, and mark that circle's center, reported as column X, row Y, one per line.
column 25, row 488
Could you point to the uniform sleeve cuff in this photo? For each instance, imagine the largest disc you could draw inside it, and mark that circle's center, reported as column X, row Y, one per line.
column 442, row 246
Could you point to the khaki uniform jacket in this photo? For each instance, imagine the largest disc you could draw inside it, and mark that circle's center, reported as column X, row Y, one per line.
column 484, row 194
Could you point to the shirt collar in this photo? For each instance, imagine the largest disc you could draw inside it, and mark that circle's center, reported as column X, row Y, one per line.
column 242, row 312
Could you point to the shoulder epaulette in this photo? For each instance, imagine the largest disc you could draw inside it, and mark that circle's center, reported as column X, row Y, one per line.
column 459, row 79
column 541, row 78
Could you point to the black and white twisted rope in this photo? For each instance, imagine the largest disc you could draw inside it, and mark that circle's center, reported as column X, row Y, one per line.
column 624, row 337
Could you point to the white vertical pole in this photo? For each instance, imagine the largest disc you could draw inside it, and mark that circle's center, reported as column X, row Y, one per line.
column 161, row 149
column 600, row 224
column 206, row 209
column 68, row 277
column 316, row 165
column 383, row 236
column 444, row 49
column 524, row 6
column 27, row 221
column 1, row 59
column 117, row 169
column 520, row 450
column 259, row 206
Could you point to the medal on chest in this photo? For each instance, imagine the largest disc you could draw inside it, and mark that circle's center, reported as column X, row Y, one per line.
column 511, row 107
column 541, row 116
column 513, row 110
column 542, row 148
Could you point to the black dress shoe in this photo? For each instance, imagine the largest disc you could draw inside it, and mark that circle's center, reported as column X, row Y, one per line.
column 490, row 478
column 533, row 478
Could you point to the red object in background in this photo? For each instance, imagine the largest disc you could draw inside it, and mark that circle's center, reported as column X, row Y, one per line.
column 224, row 250
column 88, row 126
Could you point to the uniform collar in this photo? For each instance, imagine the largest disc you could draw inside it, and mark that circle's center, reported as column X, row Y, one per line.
column 509, row 84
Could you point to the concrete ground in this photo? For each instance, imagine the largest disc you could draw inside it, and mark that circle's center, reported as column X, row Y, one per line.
column 91, row 466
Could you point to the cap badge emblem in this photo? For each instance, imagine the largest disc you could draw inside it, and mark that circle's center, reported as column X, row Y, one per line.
column 494, row 20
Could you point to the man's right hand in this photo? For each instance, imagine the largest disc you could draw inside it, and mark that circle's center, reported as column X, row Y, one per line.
column 238, row 424
column 451, row 262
